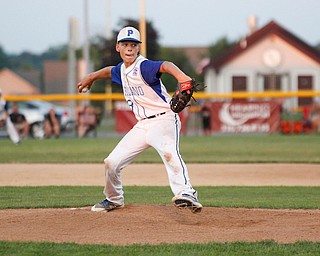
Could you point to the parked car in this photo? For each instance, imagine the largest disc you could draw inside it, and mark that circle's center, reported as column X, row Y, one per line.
column 35, row 119
column 65, row 117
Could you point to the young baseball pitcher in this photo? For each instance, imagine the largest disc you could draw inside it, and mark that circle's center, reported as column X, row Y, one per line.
column 158, row 123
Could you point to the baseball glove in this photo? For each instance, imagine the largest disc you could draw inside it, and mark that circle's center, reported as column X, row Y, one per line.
column 183, row 95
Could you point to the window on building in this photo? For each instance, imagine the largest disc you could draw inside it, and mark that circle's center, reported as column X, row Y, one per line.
column 239, row 83
column 272, row 82
column 305, row 83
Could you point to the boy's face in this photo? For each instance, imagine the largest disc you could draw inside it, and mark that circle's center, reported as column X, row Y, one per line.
column 129, row 51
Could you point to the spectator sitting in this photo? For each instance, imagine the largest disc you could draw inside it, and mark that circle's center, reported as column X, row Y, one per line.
column 87, row 121
column 51, row 124
column 19, row 121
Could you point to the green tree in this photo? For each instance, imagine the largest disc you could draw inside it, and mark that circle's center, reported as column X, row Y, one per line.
column 219, row 47
column 179, row 58
column 26, row 61
column 55, row 53
column 4, row 59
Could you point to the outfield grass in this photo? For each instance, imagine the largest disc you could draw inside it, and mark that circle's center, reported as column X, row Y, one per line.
column 265, row 248
column 194, row 149
column 77, row 196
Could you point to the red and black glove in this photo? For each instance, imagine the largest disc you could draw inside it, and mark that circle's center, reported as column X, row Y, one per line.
column 183, row 95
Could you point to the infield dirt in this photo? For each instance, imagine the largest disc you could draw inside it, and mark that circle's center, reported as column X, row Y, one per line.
column 154, row 224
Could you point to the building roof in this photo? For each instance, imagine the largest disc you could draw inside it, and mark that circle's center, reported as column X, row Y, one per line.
column 33, row 76
column 13, row 84
column 247, row 42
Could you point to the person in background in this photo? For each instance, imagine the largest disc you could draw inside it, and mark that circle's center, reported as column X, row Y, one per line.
column 206, row 118
column 306, row 120
column 87, row 121
column 315, row 117
column 6, row 121
column 19, row 121
column 51, row 124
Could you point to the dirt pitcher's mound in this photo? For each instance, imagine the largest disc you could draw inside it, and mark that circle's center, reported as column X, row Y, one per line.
column 155, row 224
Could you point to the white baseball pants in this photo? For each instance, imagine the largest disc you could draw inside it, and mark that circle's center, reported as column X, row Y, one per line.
column 161, row 133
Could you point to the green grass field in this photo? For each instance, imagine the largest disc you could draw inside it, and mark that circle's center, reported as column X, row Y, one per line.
column 194, row 149
column 215, row 149
column 78, row 196
column 266, row 248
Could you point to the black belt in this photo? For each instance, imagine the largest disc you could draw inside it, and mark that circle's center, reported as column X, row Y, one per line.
column 150, row 117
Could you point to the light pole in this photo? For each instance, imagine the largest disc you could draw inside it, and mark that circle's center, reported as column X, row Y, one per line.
column 143, row 29
column 72, row 46
column 86, row 43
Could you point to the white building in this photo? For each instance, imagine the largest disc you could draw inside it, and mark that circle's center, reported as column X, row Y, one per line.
column 270, row 58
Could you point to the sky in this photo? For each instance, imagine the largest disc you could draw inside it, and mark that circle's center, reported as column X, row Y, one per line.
column 37, row 25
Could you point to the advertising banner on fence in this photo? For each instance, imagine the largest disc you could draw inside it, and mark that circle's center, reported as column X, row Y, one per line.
column 245, row 117
column 125, row 118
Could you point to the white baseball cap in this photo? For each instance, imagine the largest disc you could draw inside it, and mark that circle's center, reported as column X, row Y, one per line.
column 129, row 34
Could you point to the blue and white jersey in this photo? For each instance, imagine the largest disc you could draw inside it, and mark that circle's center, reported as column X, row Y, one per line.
column 142, row 87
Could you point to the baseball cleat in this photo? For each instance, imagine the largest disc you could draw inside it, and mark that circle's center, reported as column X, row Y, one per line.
column 187, row 201
column 105, row 205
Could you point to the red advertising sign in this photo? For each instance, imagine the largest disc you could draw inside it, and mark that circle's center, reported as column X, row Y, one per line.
column 245, row 117
column 125, row 118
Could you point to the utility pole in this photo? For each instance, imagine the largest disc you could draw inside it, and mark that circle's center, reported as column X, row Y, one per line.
column 86, row 43
column 72, row 46
column 108, row 36
column 108, row 20
column 143, row 29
